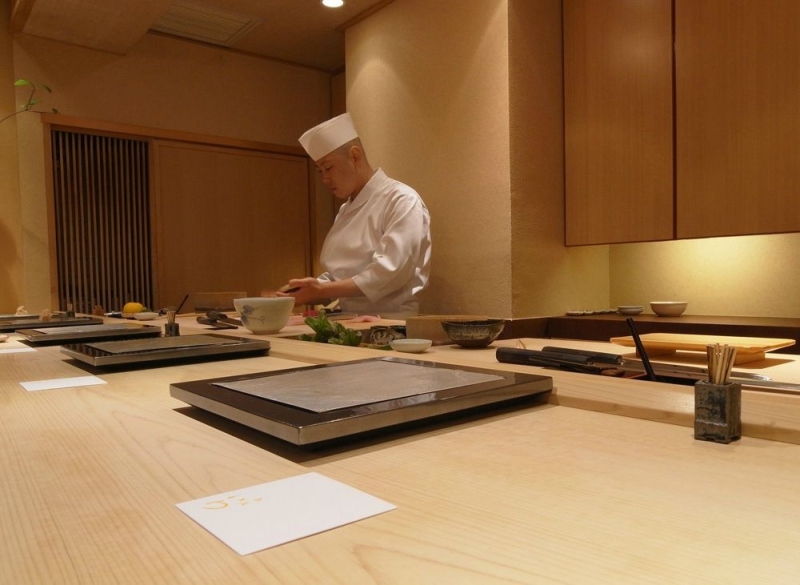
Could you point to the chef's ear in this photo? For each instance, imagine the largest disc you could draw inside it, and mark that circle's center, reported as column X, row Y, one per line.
column 356, row 153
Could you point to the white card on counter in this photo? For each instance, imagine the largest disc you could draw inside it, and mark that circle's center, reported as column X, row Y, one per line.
column 62, row 383
column 14, row 346
column 273, row 513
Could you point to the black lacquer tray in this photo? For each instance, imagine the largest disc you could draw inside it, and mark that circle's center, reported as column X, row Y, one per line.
column 164, row 349
column 15, row 322
column 319, row 403
column 79, row 333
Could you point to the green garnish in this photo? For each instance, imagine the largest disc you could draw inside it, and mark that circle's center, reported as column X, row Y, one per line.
column 326, row 331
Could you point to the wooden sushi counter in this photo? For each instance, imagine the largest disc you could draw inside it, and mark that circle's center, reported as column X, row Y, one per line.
column 558, row 490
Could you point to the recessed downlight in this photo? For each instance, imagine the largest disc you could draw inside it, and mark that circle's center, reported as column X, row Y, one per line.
column 333, row 3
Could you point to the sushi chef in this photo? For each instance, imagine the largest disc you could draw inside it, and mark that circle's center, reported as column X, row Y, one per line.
column 376, row 257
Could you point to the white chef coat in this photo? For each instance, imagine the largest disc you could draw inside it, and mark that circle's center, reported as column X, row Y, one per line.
column 381, row 239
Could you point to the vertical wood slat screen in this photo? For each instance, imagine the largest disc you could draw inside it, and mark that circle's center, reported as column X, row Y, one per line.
column 102, row 221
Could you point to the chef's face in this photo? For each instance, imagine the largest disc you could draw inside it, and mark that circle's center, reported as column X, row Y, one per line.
column 338, row 170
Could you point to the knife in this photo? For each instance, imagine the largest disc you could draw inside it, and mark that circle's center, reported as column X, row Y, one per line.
column 594, row 356
column 218, row 320
column 563, row 361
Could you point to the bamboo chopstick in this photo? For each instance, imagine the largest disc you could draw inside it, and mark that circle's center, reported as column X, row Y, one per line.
column 720, row 362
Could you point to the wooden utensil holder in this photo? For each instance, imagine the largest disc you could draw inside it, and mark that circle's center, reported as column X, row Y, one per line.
column 717, row 411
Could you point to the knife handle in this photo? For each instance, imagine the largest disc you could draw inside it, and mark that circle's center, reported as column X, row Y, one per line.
column 526, row 355
column 530, row 357
column 595, row 356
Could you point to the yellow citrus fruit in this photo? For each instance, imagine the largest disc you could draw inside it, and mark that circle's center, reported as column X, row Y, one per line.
column 133, row 308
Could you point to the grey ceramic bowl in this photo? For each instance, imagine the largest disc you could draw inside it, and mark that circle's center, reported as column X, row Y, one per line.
column 473, row 333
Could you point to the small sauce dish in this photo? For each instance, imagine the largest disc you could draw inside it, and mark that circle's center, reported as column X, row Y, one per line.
column 410, row 345
column 145, row 316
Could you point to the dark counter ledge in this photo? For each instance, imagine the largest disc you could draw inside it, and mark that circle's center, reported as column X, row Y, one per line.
column 604, row 327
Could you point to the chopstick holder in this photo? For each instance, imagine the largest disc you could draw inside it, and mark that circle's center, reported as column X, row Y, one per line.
column 718, row 401
column 171, row 328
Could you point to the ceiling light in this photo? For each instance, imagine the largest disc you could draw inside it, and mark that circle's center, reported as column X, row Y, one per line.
column 333, row 3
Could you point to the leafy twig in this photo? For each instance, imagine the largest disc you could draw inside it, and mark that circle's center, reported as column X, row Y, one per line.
column 32, row 101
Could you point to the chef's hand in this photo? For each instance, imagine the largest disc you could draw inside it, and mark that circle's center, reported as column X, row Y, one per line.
column 312, row 291
column 306, row 291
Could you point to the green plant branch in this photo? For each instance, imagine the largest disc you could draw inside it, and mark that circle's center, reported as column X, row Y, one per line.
column 29, row 104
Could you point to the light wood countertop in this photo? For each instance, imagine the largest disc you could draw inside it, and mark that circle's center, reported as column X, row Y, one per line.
column 539, row 494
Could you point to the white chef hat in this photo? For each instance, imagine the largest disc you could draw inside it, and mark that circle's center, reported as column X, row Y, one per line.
column 323, row 139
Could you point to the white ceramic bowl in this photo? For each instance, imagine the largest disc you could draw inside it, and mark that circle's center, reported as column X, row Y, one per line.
column 630, row 309
column 262, row 315
column 668, row 308
column 145, row 316
column 410, row 345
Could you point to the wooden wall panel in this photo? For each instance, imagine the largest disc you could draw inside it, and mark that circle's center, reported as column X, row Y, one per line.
column 618, row 120
column 738, row 117
column 227, row 220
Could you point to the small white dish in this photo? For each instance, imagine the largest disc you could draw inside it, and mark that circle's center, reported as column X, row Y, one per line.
column 145, row 316
column 629, row 309
column 410, row 345
column 668, row 308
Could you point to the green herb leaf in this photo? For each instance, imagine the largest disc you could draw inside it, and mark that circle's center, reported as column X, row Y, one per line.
column 326, row 331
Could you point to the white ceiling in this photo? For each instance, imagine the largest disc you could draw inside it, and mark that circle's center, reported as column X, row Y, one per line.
column 297, row 31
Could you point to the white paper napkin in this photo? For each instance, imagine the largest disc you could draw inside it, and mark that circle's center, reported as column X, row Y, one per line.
column 273, row 513
column 13, row 345
column 61, row 383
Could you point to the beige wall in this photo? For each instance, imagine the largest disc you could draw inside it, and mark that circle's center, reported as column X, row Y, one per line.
column 160, row 83
column 483, row 120
column 474, row 123
column 756, row 276
column 167, row 83
column 11, row 268
column 548, row 278
column 431, row 104
column 468, row 114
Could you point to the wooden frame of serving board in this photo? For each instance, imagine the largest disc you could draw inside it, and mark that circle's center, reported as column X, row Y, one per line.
column 305, row 427
column 80, row 333
column 748, row 349
column 15, row 322
column 156, row 350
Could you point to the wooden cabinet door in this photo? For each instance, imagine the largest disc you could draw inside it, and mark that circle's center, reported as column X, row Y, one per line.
column 228, row 219
column 738, row 117
column 618, row 116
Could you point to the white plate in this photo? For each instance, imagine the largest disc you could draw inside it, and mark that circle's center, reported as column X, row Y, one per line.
column 629, row 309
column 410, row 345
column 145, row 316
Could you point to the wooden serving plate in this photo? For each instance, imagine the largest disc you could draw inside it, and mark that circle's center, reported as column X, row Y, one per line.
column 748, row 349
